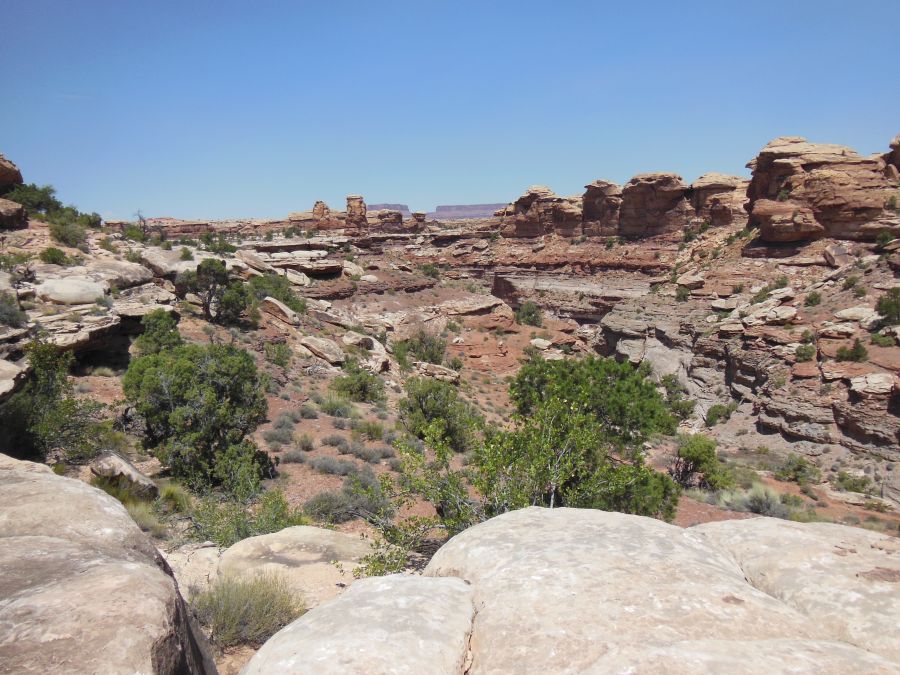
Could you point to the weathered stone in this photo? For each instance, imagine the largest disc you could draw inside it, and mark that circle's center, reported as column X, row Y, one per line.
column 116, row 468
column 324, row 349
column 579, row 590
column 279, row 310
column 541, row 343
column 253, row 260
column 837, row 256
column 12, row 215
column 873, row 384
column 195, row 566
column 356, row 212
column 11, row 376
column 654, row 203
column 304, row 556
column 83, row 589
column 690, row 280
column 541, row 211
column 602, row 201
column 72, row 291
column 867, row 317
column 434, row 371
column 719, row 199
column 9, row 173
column 831, row 190
column 396, row 624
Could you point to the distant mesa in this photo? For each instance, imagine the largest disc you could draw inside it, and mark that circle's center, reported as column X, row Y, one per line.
column 402, row 208
column 461, row 211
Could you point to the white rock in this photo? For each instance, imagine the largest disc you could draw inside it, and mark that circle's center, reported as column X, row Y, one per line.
column 72, row 291
column 279, row 310
column 872, row 384
column 867, row 317
column 541, row 343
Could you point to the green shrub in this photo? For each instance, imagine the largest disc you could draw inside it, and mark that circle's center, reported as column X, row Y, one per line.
column 173, row 498
column 160, row 333
column 422, row 346
column 337, row 407
column 882, row 340
column 360, row 496
column 186, row 254
column 808, row 337
column 307, row 412
column 373, row 431
column 54, row 256
column 11, row 314
column 68, row 233
column 293, row 457
column 143, row 514
column 278, row 353
column 888, row 306
column 334, row 465
column 680, row 406
column 812, row 299
column 278, row 287
column 850, row 282
column 529, row 314
column 358, row 384
column 805, row 353
column 246, row 610
column 305, row 443
column 798, row 470
column 221, row 299
column 856, row 353
column 198, row 404
column 719, row 413
column 431, row 270
column 336, row 441
column 430, row 400
column 851, row 483
column 682, row 294
column 227, row 521
column 884, row 238
column 278, row 437
column 696, row 462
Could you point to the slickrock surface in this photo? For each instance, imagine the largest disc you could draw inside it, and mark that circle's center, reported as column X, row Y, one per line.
column 82, row 589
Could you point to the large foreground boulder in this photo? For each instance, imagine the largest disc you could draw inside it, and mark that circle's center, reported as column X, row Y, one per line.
column 12, row 215
column 82, row 589
column 397, row 624
column 305, row 556
column 586, row 591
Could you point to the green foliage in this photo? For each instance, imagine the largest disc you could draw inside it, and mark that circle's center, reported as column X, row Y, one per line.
column 278, row 353
column 888, row 306
column 884, row 237
column 160, row 333
column 422, row 346
column 69, row 233
column 805, row 353
column 278, row 287
column 221, row 300
column 198, row 404
column 680, row 406
column 428, row 401
column 851, row 483
column 186, row 254
column 337, row 407
column 228, row 521
column 369, row 429
column 696, row 462
column 46, row 416
column 621, row 396
column 360, row 496
column 10, row 313
column 850, row 282
column 54, row 256
column 812, row 299
column 682, row 294
column 246, row 610
column 217, row 244
column 797, row 469
column 431, row 270
column 882, row 340
column 38, row 201
column 856, row 353
column 808, row 337
column 358, row 384
column 719, row 413
column 529, row 314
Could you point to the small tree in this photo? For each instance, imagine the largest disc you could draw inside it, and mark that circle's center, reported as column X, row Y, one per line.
column 696, row 462
column 160, row 333
column 856, row 353
column 358, row 384
column 221, row 300
column 429, row 401
column 888, row 306
column 198, row 404
column 529, row 314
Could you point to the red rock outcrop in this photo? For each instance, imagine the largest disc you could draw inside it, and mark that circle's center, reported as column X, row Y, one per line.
column 385, row 221
column 602, row 201
column 654, row 203
column 847, row 196
column 719, row 199
column 9, row 173
column 541, row 211
column 356, row 212
column 12, row 215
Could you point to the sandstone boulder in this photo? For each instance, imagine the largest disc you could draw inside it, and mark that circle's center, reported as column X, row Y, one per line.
column 568, row 590
column 116, row 468
column 9, row 173
column 72, row 291
column 303, row 555
column 279, row 310
column 83, row 590
column 434, row 371
column 11, row 376
column 324, row 349
column 867, row 317
column 356, row 212
column 405, row 625
column 12, row 215
column 872, row 385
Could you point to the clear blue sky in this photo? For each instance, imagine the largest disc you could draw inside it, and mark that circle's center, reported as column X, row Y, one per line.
column 218, row 109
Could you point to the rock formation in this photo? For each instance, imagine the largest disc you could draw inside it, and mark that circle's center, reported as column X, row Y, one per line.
column 356, row 212
column 802, row 190
column 580, row 590
column 541, row 211
column 83, row 589
column 719, row 199
column 12, row 215
column 654, row 203
column 9, row 174
column 602, row 201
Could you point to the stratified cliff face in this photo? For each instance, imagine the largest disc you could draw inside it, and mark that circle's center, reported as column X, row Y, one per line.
column 802, row 190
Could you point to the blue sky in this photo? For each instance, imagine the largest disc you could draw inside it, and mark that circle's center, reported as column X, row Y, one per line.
column 237, row 109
